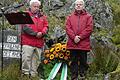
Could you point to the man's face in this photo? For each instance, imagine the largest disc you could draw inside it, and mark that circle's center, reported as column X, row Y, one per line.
column 79, row 5
column 35, row 7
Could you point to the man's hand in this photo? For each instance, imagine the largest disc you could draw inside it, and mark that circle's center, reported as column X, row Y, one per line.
column 39, row 35
column 77, row 39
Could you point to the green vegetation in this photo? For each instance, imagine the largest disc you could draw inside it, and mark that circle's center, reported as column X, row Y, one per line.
column 55, row 22
column 10, row 73
column 116, row 36
column 115, row 4
column 64, row 1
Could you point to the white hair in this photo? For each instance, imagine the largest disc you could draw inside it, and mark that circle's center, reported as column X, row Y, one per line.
column 79, row 1
column 32, row 1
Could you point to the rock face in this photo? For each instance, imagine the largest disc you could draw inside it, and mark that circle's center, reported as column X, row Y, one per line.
column 100, row 10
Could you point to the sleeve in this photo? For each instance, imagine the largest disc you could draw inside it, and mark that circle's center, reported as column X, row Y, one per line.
column 69, row 30
column 26, row 29
column 89, row 28
column 45, row 26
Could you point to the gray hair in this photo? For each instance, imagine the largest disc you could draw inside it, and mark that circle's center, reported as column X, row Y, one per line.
column 32, row 1
column 79, row 1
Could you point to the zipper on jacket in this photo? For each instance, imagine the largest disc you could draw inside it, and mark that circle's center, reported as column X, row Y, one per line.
column 78, row 28
column 37, row 23
column 78, row 25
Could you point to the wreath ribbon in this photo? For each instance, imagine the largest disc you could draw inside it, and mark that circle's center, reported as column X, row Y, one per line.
column 55, row 70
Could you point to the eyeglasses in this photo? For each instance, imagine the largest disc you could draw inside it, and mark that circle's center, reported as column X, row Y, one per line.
column 36, row 6
column 78, row 4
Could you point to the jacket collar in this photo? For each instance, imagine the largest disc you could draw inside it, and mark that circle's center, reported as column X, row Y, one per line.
column 39, row 14
column 81, row 12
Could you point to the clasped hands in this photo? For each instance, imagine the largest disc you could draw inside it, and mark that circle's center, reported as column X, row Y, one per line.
column 39, row 35
column 77, row 39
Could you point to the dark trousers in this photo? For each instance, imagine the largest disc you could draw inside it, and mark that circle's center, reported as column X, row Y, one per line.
column 79, row 63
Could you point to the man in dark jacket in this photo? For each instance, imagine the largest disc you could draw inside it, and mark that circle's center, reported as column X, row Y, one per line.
column 32, row 39
column 79, row 26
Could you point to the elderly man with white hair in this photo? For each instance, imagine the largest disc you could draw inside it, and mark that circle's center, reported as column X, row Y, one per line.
column 33, row 39
column 79, row 26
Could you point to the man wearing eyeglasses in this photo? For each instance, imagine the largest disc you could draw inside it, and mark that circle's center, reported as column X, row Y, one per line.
column 79, row 26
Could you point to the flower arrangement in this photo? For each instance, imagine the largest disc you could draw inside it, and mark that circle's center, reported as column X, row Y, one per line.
column 57, row 52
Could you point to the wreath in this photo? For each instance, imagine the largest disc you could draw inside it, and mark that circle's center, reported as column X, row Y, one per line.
column 57, row 52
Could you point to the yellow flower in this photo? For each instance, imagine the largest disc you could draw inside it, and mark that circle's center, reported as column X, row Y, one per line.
column 58, row 45
column 61, row 55
column 67, row 53
column 52, row 56
column 57, row 49
column 52, row 49
column 63, row 48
